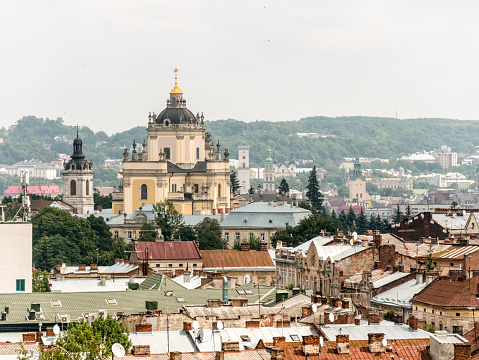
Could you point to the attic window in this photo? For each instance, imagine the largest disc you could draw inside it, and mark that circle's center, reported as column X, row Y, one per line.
column 180, row 299
column 168, row 293
column 245, row 338
column 270, row 221
column 56, row 303
column 245, row 221
column 295, row 337
column 111, row 302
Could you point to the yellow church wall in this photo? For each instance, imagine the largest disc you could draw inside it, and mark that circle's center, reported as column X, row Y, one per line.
column 136, row 192
column 117, row 207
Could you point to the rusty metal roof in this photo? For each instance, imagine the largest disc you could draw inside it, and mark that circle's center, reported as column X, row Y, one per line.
column 450, row 293
column 236, row 259
column 167, row 250
column 456, row 252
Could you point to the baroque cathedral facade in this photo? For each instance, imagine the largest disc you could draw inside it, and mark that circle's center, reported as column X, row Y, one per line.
column 179, row 163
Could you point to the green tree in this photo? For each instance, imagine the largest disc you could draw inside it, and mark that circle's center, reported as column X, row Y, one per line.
column 102, row 200
column 313, row 194
column 351, row 217
column 362, row 222
column 389, row 315
column 167, row 218
column 254, row 243
column 283, row 187
column 45, row 259
column 40, row 281
column 408, row 210
column 385, row 226
column 237, row 244
column 251, row 190
column 342, row 217
column 235, row 185
column 398, row 214
column 208, row 234
column 333, row 214
column 185, row 233
column 147, row 232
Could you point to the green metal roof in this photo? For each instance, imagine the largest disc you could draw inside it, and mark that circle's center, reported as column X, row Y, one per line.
column 128, row 302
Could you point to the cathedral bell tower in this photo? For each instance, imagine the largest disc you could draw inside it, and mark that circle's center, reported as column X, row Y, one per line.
column 78, row 180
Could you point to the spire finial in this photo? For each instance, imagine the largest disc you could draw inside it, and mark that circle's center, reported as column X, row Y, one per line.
column 77, row 130
column 176, row 89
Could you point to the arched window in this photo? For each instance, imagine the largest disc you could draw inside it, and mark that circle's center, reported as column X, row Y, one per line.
column 87, row 192
column 144, row 192
column 167, row 152
column 197, row 153
column 73, row 187
column 219, row 190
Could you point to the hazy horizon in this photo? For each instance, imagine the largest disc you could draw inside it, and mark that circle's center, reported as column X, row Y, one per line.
column 107, row 64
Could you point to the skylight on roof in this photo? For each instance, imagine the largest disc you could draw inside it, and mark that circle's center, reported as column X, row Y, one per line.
column 248, row 292
column 180, row 299
column 168, row 293
column 245, row 338
column 241, row 292
column 111, row 302
column 56, row 303
column 294, row 337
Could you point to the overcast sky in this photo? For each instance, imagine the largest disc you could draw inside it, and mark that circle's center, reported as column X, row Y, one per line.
column 106, row 64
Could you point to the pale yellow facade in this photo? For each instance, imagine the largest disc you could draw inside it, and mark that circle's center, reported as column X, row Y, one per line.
column 179, row 163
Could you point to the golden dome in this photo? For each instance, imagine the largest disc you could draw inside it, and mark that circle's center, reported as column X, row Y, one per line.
column 176, row 89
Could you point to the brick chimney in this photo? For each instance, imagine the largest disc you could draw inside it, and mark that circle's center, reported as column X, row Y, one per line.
column 276, row 353
column 398, row 319
column 336, row 302
column 187, row 326
column 141, row 350
column 175, row 355
column 214, row 303
column 377, row 239
column 279, row 342
column 245, row 246
column 220, row 355
column 306, row 311
column 342, row 344
column 375, row 342
column 373, row 319
column 230, row 346
column 263, row 246
column 412, row 322
column 311, row 345
column 462, row 351
column 239, row 302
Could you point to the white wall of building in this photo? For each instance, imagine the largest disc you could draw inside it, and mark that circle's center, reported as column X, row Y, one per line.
column 16, row 264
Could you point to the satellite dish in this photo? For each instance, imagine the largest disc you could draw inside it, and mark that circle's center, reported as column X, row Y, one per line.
column 118, row 350
column 219, row 325
column 331, row 317
column 246, row 279
column 351, row 241
column 196, row 325
column 321, row 341
column 201, row 336
column 385, row 342
column 56, row 329
column 314, row 307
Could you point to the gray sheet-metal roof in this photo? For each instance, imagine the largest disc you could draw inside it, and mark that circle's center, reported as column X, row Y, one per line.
column 265, row 215
column 360, row 332
column 399, row 295
column 337, row 251
column 451, row 222
column 390, row 278
column 158, row 341
column 193, row 220
column 254, row 334
column 90, row 284
column 119, row 268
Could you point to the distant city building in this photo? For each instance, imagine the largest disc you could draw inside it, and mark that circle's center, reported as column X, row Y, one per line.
column 393, row 183
column 35, row 169
column 243, row 168
column 357, row 185
column 269, row 176
column 78, row 180
column 446, row 157
column 48, row 190
column 425, row 157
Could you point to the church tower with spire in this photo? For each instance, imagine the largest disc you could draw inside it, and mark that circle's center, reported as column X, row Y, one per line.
column 78, row 180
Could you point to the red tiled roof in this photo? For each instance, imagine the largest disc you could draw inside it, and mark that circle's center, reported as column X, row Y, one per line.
column 42, row 189
column 236, row 258
column 356, row 208
column 401, row 349
column 173, row 250
column 445, row 292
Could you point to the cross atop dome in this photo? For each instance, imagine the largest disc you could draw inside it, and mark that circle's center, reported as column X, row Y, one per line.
column 176, row 89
